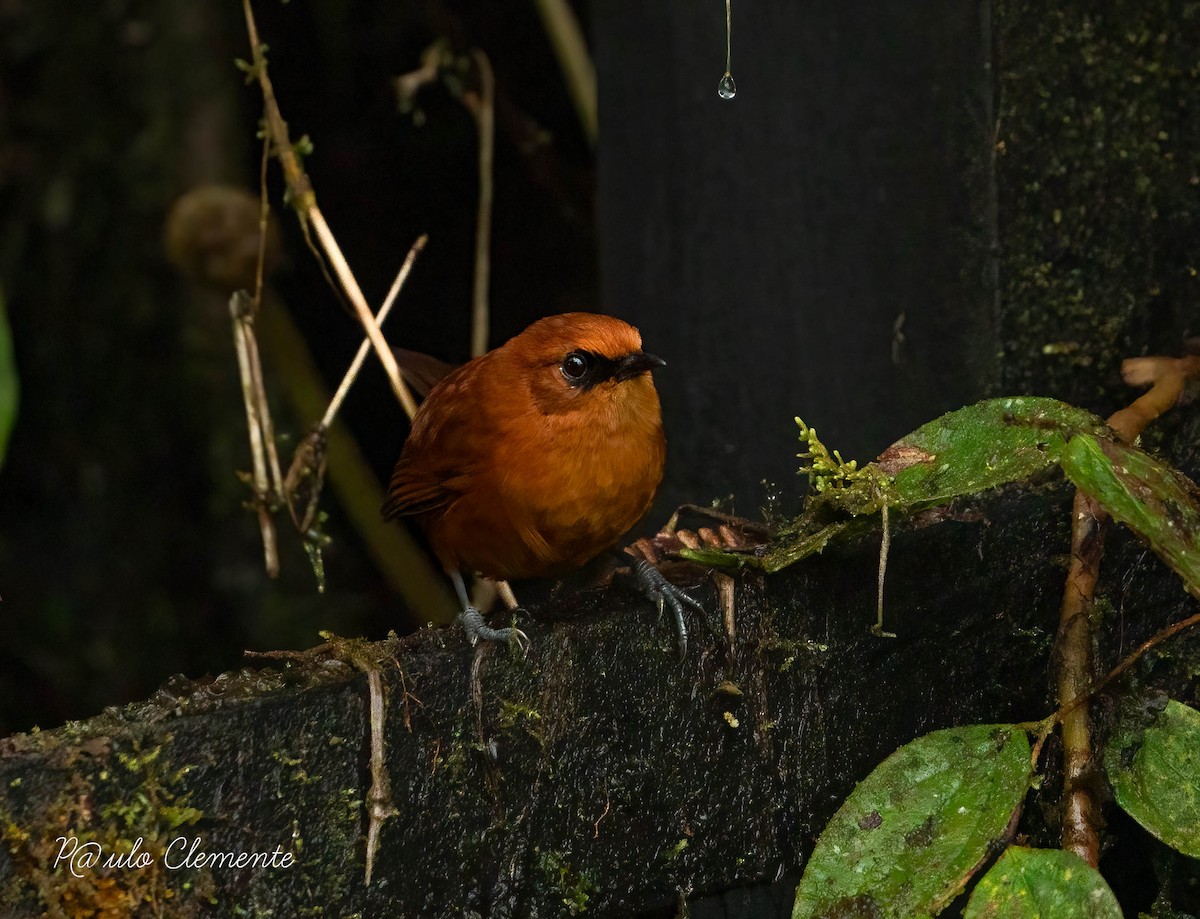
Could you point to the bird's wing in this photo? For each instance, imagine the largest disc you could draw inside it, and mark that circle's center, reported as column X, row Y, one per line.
column 413, row 498
column 409, row 496
column 421, row 371
column 441, row 453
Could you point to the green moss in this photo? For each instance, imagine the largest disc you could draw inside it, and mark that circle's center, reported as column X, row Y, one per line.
column 518, row 714
column 142, row 822
column 576, row 887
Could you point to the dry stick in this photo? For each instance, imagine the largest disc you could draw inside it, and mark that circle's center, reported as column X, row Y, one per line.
column 304, row 199
column 260, row 390
column 885, row 544
column 264, row 407
column 404, row 565
column 726, row 597
column 486, row 118
column 356, row 365
column 379, row 798
column 1080, row 834
column 308, row 463
column 399, row 387
column 305, row 202
column 239, row 309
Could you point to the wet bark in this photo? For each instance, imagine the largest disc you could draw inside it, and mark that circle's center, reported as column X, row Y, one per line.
column 600, row 772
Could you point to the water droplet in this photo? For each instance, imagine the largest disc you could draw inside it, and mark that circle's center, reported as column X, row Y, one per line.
column 726, row 89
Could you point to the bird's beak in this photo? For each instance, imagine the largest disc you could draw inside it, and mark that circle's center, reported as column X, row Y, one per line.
column 632, row 365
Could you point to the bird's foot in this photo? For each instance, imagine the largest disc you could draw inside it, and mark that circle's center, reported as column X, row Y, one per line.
column 655, row 586
column 475, row 628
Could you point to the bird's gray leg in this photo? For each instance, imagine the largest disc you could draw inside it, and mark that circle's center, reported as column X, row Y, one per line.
column 652, row 583
column 472, row 622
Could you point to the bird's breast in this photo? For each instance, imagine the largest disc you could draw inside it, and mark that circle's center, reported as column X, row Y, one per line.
column 559, row 491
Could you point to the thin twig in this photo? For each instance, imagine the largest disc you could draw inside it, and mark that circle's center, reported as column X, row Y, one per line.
column 885, row 545
column 603, row 814
column 409, row 84
column 1157, row 638
column 726, row 594
column 305, row 202
column 259, row 388
column 356, row 365
column 379, row 798
column 264, row 219
column 395, row 553
column 486, row 120
column 239, row 309
column 306, row 475
column 382, row 349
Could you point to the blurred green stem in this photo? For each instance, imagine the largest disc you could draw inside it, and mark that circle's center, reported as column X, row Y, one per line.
column 9, row 386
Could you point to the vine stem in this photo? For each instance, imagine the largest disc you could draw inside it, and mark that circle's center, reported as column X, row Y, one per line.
column 1080, row 823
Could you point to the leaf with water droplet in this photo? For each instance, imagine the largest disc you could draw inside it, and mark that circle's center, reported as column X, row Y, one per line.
column 726, row 89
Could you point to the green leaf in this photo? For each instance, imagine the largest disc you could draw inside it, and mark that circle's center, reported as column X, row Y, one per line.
column 980, row 447
column 915, row 830
column 1155, row 774
column 9, row 388
column 963, row 452
column 1158, row 502
column 1035, row 883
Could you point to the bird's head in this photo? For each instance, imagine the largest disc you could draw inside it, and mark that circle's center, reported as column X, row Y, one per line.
column 587, row 362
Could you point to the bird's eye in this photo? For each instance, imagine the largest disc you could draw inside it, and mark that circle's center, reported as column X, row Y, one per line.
column 575, row 366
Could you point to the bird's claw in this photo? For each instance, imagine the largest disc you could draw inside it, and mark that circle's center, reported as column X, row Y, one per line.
column 664, row 593
column 475, row 628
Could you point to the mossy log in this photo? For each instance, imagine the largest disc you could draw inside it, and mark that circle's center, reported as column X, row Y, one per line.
column 601, row 773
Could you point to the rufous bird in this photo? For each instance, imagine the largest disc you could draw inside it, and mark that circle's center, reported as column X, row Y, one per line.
column 530, row 461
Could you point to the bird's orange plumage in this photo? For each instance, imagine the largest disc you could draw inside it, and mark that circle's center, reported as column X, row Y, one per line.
column 516, row 470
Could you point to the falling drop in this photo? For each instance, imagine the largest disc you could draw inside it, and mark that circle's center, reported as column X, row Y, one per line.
column 726, row 89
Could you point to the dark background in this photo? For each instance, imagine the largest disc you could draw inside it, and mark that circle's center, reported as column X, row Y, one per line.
column 1018, row 184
